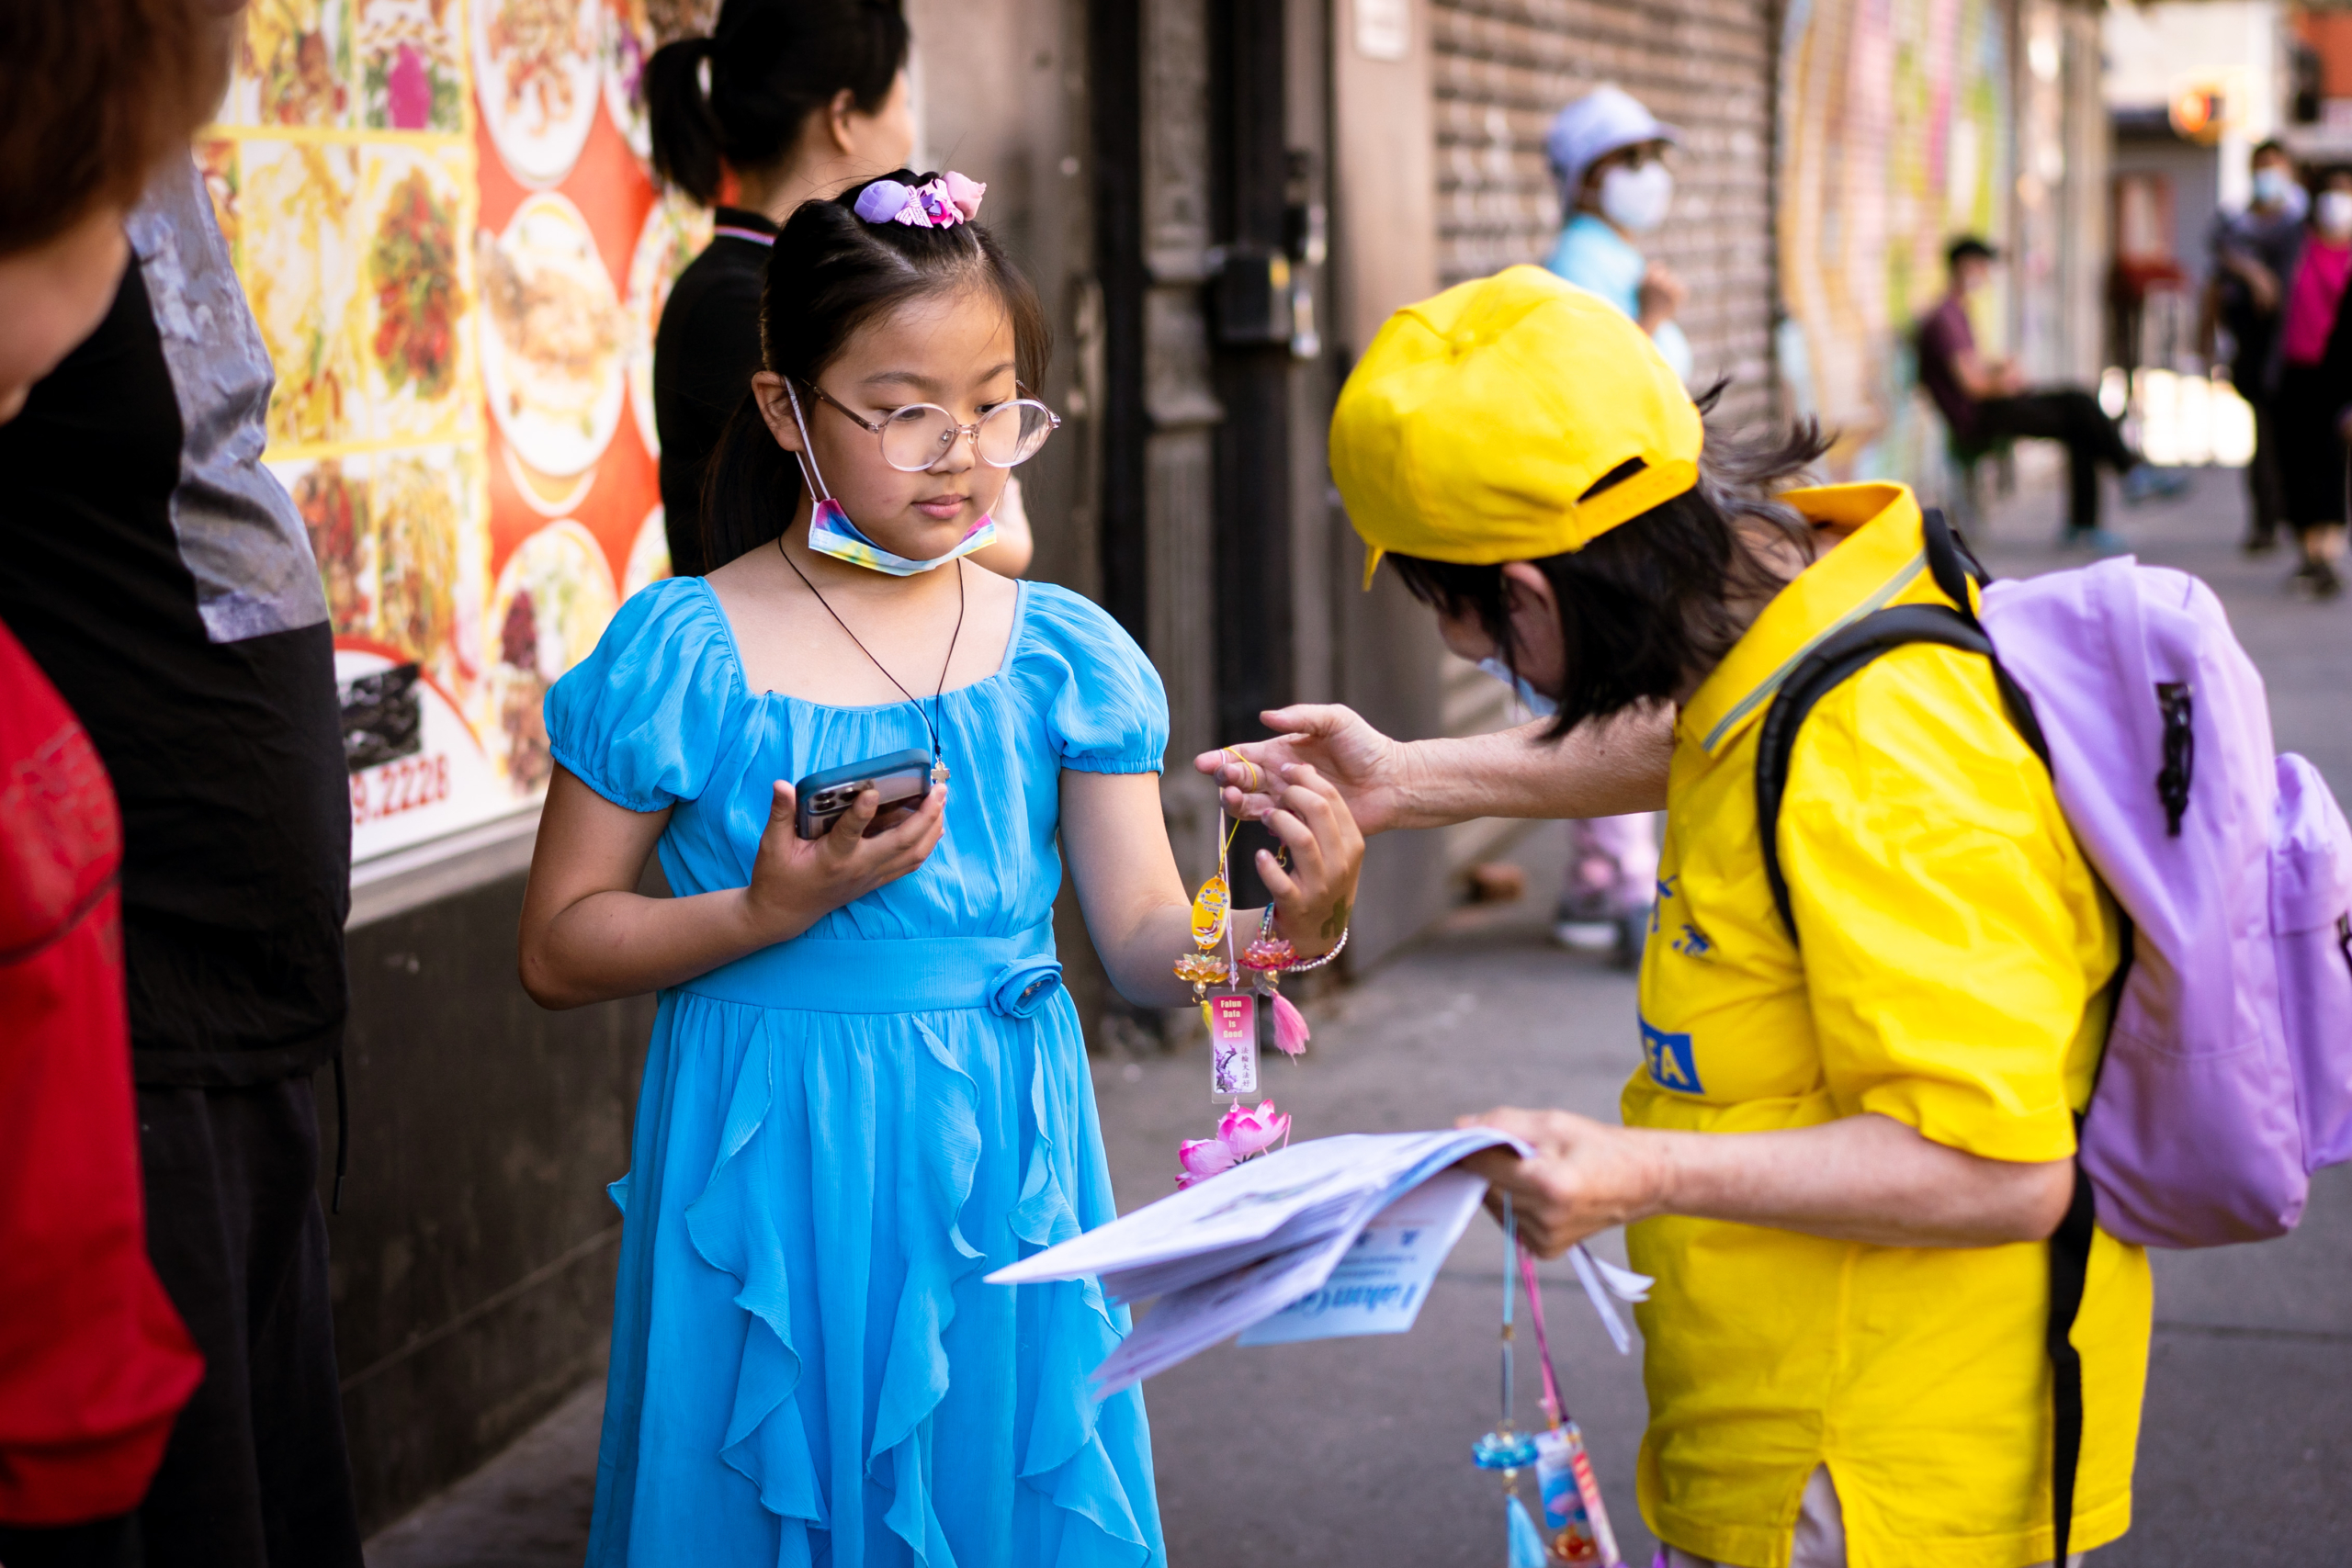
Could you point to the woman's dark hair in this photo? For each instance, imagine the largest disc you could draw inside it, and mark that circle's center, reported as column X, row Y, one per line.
column 830, row 273
column 1648, row 604
column 773, row 63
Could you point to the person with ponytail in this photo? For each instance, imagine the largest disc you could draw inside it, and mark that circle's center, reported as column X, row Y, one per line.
column 866, row 1087
column 796, row 99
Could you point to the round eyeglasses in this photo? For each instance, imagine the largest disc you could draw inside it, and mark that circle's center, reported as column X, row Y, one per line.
column 916, row 436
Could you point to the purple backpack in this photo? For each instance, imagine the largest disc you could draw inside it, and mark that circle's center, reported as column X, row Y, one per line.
column 2227, row 1078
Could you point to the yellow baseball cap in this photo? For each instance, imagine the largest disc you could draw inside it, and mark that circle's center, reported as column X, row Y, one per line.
column 1476, row 425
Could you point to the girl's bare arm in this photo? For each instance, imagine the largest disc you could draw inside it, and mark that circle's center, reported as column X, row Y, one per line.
column 1137, row 908
column 588, row 936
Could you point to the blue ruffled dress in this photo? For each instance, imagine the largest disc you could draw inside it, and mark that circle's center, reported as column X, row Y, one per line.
column 839, row 1136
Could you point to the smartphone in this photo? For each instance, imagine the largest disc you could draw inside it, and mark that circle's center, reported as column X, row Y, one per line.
column 902, row 778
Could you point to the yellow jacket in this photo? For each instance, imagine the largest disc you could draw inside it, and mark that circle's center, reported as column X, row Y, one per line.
column 1956, row 954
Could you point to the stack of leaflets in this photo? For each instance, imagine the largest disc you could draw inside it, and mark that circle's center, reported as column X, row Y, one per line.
column 1330, row 1238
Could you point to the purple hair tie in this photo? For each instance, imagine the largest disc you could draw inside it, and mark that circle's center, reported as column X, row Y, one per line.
column 937, row 204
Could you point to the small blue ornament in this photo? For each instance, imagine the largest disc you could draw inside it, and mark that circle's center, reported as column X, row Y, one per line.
column 1504, row 1450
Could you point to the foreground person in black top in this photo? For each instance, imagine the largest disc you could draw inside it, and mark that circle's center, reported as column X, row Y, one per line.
column 805, row 99
column 164, row 584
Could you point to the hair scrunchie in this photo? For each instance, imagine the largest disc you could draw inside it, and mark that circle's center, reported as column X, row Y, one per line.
column 940, row 203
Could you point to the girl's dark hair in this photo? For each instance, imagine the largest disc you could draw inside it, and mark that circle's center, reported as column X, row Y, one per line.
column 773, row 63
column 1648, row 604
column 830, row 273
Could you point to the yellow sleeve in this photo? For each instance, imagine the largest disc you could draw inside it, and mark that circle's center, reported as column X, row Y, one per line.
column 1951, row 934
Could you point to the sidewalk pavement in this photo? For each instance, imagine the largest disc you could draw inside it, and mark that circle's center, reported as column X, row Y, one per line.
column 1358, row 1451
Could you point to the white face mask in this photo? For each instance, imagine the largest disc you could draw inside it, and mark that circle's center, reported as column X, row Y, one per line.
column 2333, row 214
column 2270, row 187
column 1637, row 199
column 1530, row 699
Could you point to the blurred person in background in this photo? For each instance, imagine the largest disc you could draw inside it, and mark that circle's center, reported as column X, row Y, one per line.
column 798, row 100
column 2314, row 400
column 2255, row 253
column 94, row 1364
column 1609, row 153
column 162, row 581
column 1985, row 400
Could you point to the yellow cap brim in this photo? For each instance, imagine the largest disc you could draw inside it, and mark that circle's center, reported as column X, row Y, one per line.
column 1372, row 554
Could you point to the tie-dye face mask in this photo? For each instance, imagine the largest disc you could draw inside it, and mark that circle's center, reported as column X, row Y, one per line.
column 831, row 533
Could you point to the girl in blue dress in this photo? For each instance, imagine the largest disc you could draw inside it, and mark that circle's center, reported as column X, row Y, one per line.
column 867, row 1089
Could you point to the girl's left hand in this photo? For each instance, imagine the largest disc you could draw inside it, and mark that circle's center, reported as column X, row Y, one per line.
column 1314, row 895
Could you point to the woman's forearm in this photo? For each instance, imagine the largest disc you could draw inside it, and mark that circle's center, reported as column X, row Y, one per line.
column 1597, row 769
column 1867, row 1179
column 623, row 945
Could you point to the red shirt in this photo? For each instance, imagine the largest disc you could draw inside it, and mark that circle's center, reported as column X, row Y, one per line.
column 1944, row 337
column 93, row 1363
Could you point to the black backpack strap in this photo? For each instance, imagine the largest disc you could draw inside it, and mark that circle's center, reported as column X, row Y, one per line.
column 1836, row 660
column 2070, row 1263
column 1949, row 560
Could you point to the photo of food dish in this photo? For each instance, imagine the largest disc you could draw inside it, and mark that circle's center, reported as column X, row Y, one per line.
column 551, row 336
column 295, row 65
column 676, row 229
column 536, row 69
column 411, row 67
column 628, row 43
column 416, row 503
column 417, row 293
column 301, row 276
column 333, row 505
column 553, row 598
column 649, row 556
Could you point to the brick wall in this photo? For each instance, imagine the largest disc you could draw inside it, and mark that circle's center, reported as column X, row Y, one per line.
column 1501, row 70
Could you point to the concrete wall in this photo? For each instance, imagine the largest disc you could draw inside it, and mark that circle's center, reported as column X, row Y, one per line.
column 472, row 1262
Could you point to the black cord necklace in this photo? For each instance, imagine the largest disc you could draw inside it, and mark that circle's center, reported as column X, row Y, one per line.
column 930, row 727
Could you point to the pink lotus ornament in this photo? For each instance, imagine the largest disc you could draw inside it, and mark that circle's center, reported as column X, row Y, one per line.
column 1202, row 969
column 1247, row 1132
column 1201, row 1158
column 1268, row 954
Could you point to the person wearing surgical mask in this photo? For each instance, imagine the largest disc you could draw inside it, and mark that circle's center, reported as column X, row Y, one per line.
column 2313, row 406
column 2255, row 253
column 1609, row 153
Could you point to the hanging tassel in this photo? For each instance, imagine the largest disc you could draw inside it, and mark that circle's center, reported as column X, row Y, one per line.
column 1290, row 1027
column 1526, row 1541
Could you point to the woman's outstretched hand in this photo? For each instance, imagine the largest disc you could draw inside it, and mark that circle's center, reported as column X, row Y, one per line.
column 1364, row 767
column 1585, row 1176
column 1315, row 894
column 795, row 882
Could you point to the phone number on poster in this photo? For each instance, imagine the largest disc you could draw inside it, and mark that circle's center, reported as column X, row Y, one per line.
column 408, row 785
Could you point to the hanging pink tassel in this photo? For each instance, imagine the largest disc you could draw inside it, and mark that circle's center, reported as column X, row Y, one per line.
column 1290, row 1027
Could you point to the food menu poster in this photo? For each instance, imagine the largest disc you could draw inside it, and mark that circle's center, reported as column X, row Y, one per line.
column 444, row 218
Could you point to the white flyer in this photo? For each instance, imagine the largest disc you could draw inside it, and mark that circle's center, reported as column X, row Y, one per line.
column 1379, row 1285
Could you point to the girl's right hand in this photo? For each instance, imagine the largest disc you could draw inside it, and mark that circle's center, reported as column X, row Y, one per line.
column 795, row 882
